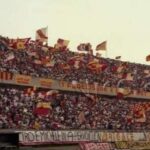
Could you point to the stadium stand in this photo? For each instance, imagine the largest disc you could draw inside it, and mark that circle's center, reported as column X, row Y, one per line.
column 28, row 108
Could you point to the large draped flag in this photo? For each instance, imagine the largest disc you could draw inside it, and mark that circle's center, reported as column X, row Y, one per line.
column 148, row 58
column 102, row 46
column 42, row 35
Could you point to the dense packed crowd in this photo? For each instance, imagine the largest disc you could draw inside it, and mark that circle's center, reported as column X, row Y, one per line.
column 23, row 108
column 61, row 64
column 20, row 109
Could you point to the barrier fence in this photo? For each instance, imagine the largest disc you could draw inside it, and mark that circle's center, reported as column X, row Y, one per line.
column 87, row 139
column 32, row 137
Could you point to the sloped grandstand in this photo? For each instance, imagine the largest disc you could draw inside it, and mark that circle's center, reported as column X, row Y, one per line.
column 50, row 89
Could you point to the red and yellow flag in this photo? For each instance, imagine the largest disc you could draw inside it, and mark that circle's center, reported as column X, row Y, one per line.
column 61, row 43
column 42, row 35
column 43, row 108
column 102, row 46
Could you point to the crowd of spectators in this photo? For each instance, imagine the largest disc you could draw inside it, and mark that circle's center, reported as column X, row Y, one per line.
column 62, row 64
column 18, row 110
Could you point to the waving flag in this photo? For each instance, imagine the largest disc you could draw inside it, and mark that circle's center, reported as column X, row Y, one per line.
column 139, row 113
column 129, row 77
column 52, row 92
column 98, row 55
column 42, row 35
column 102, row 46
column 10, row 57
column 84, row 47
column 61, row 43
column 19, row 43
column 120, row 69
column 22, row 43
column 146, row 71
column 43, row 108
column 38, row 62
column 122, row 92
column 118, row 57
column 81, row 117
column 12, row 43
column 148, row 58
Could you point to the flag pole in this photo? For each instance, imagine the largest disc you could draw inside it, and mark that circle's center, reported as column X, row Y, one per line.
column 106, row 53
column 47, row 36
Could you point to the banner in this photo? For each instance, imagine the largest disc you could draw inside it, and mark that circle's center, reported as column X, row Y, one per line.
column 45, row 137
column 96, row 146
column 83, row 87
column 121, row 145
column 91, row 88
column 75, row 136
column 147, row 135
column 121, row 136
column 18, row 79
column 23, row 79
column 45, row 83
column 5, row 76
column 142, row 145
